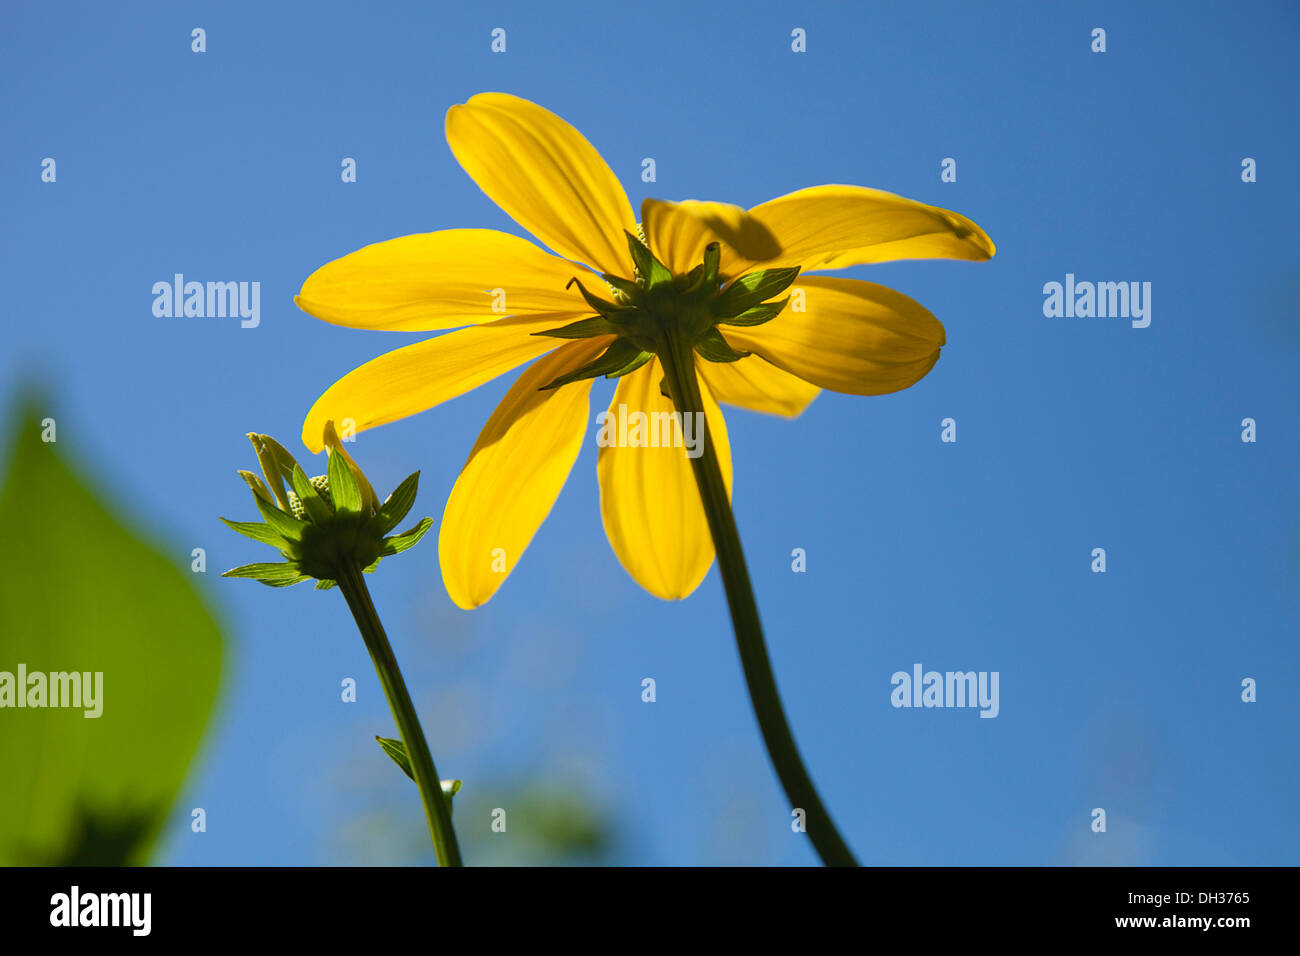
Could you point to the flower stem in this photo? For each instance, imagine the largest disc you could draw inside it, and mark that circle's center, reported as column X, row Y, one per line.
column 678, row 360
column 437, row 808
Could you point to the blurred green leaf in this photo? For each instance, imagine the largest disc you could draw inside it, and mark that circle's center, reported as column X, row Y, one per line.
column 551, row 820
column 561, row 821
column 80, row 591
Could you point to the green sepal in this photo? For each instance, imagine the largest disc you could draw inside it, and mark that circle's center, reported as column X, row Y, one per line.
column 705, row 275
column 712, row 259
column 256, row 530
column 280, row 575
column 397, row 751
column 315, row 505
column 620, row 358
column 693, row 281
column 712, row 346
column 652, row 271
column 394, row 509
column 637, row 361
column 407, row 539
column 289, row 527
column 324, row 584
column 626, row 286
column 583, row 329
column 758, row 314
column 256, row 486
column 752, row 289
column 603, row 306
column 343, row 486
column 280, row 454
column 270, row 469
column 277, row 464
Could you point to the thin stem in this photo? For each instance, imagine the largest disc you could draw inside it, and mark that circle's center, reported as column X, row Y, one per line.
column 436, row 806
column 679, row 368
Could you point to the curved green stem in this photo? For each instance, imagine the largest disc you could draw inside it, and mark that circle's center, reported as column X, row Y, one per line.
column 437, row 809
column 679, row 367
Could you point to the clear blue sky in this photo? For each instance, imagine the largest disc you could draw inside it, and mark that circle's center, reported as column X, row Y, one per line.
column 1118, row 690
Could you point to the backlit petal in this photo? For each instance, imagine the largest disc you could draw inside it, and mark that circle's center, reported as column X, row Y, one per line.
column 678, row 232
column 440, row 280
column 856, row 337
column 756, row 384
column 410, row 380
column 649, row 501
column 822, row 227
column 546, row 176
column 833, row 227
column 514, row 474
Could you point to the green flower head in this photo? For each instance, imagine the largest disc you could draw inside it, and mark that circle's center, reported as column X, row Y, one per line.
column 323, row 525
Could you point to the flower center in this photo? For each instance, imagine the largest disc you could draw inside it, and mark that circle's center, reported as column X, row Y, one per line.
column 656, row 306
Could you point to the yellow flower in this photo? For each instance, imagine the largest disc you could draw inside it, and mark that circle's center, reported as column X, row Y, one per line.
column 503, row 295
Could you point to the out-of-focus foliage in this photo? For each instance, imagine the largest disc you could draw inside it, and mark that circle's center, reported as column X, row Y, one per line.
column 547, row 823
column 81, row 591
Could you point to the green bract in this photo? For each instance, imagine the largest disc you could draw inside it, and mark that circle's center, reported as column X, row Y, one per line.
column 397, row 751
column 321, row 525
column 692, row 305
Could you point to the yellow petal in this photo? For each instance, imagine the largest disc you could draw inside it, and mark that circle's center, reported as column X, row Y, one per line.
column 514, row 474
column 407, row 381
column 855, row 337
column 649, row 501
column 823, row 227
column 677, row 232
column 756, row 384
column 546, row 176
column 832, row 227
column 440, row 280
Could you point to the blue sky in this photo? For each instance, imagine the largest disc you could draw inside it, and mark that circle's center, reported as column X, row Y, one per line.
column 1118, row 690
